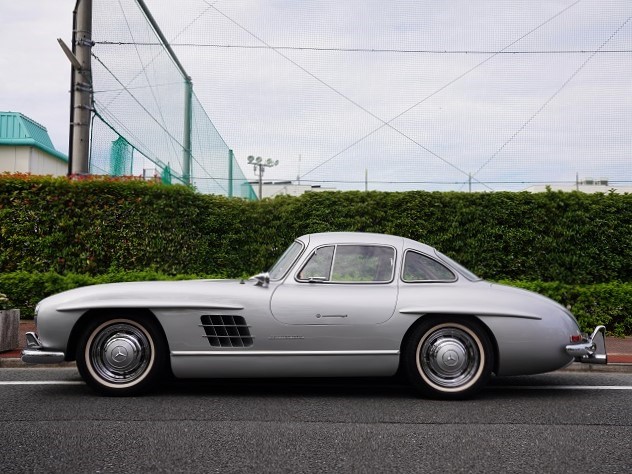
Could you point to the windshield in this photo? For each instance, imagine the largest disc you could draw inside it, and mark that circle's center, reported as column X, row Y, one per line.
column 458, row 267
column 283, row 264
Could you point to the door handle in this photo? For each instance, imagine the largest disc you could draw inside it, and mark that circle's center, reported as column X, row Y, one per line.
column 331, row 315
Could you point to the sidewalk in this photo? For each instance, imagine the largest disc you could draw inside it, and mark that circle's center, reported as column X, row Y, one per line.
column 619, row 350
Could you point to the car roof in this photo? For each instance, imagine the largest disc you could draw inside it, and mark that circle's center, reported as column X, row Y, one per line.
column 323, row 238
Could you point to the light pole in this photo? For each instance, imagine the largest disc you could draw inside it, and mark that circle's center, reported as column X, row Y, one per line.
column 259, row 167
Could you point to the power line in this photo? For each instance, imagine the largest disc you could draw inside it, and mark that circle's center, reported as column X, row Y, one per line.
column 445, row 86
column 367, row 50
column 339, row 93
column 550, row 99
column 362, row 181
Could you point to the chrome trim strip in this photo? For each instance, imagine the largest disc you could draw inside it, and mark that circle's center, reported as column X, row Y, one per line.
column 144, row 304
column 418, row 311
column 282, row 353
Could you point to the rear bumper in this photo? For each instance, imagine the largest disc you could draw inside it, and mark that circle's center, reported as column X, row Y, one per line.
column 34, row 354
column 592, row 350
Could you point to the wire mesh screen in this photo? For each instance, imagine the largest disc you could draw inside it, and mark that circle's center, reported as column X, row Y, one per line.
column 142, row 100
column 366, row 94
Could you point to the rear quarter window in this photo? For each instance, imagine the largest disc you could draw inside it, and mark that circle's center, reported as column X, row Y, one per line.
column 421, row 268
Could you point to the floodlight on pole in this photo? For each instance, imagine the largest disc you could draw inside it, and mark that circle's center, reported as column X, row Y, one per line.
column 259, row 167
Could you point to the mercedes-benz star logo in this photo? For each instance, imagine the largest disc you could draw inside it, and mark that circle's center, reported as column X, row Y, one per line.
column 450, row 358
column 119, row 354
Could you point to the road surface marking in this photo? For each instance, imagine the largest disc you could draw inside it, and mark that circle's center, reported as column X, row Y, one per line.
column 563, row 387
column 493, row 387
column 41, row 382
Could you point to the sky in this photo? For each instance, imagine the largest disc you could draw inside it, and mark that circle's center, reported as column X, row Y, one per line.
column 413, row 94
column 35, row 73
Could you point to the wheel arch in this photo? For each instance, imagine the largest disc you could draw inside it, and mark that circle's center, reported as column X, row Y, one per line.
column 440, row 316
column 84, row 320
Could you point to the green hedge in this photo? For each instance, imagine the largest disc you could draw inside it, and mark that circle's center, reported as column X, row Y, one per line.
column 94, row 227
column 607, row 304
column 98, row 226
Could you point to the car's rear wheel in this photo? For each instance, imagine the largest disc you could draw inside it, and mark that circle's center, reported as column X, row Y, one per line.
column 449, row 358
column 121, row 355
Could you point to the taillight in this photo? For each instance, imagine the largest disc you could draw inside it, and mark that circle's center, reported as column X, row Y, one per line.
column 575, row 338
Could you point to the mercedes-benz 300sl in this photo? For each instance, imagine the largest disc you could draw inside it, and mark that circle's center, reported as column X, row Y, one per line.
column 333, row 305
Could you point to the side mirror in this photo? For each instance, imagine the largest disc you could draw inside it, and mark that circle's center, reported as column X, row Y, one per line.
column 262, row 279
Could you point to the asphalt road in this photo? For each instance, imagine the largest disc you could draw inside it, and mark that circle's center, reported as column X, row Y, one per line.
column 562, row 422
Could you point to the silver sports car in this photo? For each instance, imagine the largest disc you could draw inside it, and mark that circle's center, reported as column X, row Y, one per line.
column 334, row 304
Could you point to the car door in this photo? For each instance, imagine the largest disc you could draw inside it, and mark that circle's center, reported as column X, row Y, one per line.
column 343, row 285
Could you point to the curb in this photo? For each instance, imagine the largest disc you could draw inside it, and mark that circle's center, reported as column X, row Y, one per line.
column 614, row 367
column 16, row 363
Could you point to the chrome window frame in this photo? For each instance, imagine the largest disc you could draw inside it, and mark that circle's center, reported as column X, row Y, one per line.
column 293, row 263
column 333, row 261
column 455, row 274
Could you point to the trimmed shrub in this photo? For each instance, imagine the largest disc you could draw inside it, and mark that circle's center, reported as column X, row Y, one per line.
column 101, row 226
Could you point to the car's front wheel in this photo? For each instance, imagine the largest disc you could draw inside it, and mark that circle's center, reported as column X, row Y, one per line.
column 449, row 358
column 121, row 355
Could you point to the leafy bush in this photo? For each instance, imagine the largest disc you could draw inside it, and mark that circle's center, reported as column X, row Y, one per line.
column 101, row 226
column 5, row 303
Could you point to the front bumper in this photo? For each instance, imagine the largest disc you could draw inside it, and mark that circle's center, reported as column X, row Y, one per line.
column 592, row 350
column 34, row 354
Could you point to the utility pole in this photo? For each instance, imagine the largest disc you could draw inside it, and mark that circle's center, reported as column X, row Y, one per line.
column 298, row 174
column 81, row 88
column 231, row 159
column 259, row 167
column 186, row 148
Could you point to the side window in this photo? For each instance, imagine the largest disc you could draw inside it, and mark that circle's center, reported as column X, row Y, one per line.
column 418, row 267
column 363, row 263
column 350, row 264
column 318, row 267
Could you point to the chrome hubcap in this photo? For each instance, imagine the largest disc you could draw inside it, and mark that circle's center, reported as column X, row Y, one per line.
column 120, row 353
column 449, row 357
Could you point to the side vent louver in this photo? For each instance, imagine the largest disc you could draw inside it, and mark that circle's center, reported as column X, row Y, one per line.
column 226, row 331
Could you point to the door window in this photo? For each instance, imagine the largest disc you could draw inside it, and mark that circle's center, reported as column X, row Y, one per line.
column 350, row 264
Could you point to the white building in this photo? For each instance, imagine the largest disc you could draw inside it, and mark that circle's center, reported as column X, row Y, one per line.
column 25, row 147
column 588, row 185
column 285, row 188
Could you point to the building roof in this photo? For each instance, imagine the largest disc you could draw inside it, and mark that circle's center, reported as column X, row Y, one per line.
column 19, row 130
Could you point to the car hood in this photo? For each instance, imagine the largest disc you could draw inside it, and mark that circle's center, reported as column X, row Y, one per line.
column 220, row 294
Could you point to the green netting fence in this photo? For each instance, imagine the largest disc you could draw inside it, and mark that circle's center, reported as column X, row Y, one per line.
column 148, row 121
